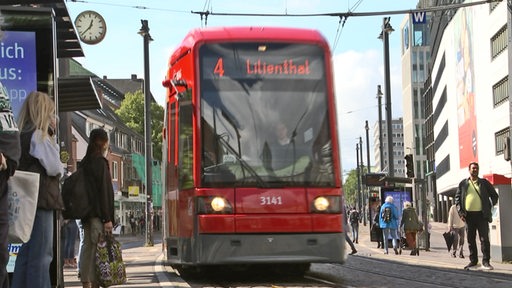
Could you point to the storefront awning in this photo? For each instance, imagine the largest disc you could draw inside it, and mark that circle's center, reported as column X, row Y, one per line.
column 68, row 44
column 77, row 93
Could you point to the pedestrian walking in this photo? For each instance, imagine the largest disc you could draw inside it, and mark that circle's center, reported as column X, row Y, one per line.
column 376, row 230
column 411, row 225
column 10, row 151
column 40, row 154
column 347, row 238
column 457, row 227
column 351, row 244
column 389, row 223
column 354, row 224
column 474, row 199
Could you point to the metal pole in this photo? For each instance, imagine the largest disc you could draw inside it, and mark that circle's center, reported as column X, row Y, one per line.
column 368, row 169
column 358, row 179
column 367, row 146
column 144, row 31
column 363, row 199
column 379, row 98
column 386, row 29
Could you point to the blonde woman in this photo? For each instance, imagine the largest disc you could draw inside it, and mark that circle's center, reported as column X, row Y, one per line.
column 39, row 153
column 410, row 224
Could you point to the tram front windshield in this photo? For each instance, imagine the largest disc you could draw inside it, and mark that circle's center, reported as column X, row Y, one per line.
column 264, row 115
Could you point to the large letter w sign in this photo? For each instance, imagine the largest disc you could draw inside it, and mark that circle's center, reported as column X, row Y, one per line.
column 419, row 18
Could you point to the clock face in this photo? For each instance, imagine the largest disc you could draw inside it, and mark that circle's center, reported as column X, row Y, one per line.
column 91, row 27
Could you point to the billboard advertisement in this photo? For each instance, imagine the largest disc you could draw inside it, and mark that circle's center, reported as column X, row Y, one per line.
column 464, row 79
column 399, row 194
column 18, row 70
column 18, row 76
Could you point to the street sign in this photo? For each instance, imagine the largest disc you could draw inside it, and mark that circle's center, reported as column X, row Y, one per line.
column 419, row 17
column 374, row 179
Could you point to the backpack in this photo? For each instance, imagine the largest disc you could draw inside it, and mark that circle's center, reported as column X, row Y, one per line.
column 76, row 196
column 386, row 215
column 354, row 217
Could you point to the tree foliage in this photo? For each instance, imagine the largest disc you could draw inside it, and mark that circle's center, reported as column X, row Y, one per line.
column 132, row 114
column 350, row 187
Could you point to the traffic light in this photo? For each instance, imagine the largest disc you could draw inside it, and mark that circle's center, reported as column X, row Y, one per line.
column 409, row 166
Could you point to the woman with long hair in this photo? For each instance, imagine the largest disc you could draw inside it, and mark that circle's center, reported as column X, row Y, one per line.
column 39, row 153
column 100, row 221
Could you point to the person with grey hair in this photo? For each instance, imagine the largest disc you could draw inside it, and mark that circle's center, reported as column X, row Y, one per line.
column 389, row 223
column 411, row 225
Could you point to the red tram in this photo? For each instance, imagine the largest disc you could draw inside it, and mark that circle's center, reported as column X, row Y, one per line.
column 251, row 160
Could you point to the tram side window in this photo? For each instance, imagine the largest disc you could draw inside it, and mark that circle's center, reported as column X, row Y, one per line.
column 185, row 168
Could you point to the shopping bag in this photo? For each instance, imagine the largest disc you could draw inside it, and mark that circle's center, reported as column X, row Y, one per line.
column 23, row 190
column 110, row 267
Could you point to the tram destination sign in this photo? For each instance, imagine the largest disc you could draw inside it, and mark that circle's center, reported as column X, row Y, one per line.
column 262, row 61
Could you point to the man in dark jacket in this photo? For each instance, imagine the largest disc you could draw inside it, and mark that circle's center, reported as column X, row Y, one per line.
column 474, row 199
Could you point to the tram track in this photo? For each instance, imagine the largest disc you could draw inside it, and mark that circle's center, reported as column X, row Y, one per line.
column 363, row 271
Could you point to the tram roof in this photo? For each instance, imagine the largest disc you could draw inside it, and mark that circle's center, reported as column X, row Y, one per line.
column 249, row 33
column 254, row 33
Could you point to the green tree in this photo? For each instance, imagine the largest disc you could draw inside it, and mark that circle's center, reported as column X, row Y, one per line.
column 350, row 188
column 132, row 113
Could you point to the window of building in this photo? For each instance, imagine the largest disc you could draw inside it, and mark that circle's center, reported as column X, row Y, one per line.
column 115, row 170
column 420, row 33
column 500, row 138
column 500, row 92
column 91, row 126
column 124, row 142
column 499, row 42
column 405, row 37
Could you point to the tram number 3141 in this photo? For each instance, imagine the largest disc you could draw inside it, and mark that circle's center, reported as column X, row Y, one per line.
column 271, row 200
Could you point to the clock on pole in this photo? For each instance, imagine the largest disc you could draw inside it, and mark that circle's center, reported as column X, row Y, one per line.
column 91, row 27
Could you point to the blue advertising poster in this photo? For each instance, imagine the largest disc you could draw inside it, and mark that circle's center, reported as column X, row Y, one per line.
column 18, row 76
column 399, row 197
column 18, row 70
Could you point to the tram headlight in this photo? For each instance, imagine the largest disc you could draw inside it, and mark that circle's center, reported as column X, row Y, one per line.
column 218, row 204
column 321, row 203
column 213, row 205
column 326, row 204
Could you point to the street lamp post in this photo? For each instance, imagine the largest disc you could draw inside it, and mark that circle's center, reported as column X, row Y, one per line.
column 386, row 29
column 368, row 169
column 379, row 99
column 358, row 178
column 363, row 199
column 144, row 32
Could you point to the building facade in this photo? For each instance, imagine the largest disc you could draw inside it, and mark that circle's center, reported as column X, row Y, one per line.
column 415, row 57
column 397, row 149
column 468, row 108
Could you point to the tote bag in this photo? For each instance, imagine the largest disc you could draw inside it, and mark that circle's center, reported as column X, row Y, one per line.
column 110, row 268
column 23, row 190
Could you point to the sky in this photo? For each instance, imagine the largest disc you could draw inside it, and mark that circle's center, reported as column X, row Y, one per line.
column 358, row 54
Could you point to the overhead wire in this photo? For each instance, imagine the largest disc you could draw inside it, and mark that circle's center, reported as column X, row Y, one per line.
column 341, row 25
column 129, row 6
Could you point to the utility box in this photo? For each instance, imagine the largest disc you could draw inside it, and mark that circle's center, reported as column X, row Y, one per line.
column 501, row 239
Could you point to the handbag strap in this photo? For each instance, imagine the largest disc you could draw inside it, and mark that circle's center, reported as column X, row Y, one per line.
column 476, row 189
